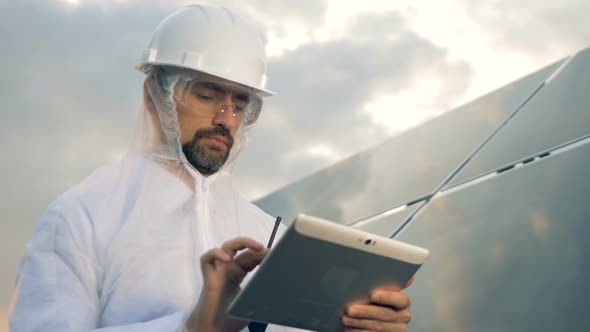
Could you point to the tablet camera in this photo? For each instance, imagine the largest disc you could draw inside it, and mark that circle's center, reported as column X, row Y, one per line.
column 368, row 241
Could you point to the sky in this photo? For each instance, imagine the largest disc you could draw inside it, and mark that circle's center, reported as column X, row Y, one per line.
column 349, row 75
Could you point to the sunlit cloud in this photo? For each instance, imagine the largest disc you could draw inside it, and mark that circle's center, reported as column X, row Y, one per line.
column 324, row 151
column 316, row 151
column 288, row 38
column 74, row 3
column 407, row 108
column 102, row 4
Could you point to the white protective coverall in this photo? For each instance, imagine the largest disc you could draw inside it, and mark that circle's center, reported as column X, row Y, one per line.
column 120, row 251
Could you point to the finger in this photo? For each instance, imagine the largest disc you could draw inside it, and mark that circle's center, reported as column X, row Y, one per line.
column 380, row 313
column 215, row 254
column 369, row 311
column 214, row 260
column 371, row 325
column 395, row 299
column 243, row 264
column 240, row 243
column 249, row 260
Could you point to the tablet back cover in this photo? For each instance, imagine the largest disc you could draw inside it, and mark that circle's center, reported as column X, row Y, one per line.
column 307, row 283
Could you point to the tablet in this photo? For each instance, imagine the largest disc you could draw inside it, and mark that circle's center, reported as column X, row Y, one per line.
column 317, row 269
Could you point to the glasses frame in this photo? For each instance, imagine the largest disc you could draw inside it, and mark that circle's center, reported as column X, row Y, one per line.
column 250, row 112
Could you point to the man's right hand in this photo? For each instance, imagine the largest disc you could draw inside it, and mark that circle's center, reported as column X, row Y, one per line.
column 223, row 271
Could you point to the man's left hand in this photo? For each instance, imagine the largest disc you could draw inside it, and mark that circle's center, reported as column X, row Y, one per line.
column 389, row 310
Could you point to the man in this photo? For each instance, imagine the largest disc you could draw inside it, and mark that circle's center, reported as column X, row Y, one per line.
column 159, row 241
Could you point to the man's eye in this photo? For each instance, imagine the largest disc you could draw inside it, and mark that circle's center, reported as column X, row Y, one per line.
column 205, row 97
column 240, row 106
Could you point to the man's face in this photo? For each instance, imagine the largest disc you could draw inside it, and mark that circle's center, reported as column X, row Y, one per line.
column 206, row 132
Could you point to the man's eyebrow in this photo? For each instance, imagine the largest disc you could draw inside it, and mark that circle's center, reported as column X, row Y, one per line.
column 213, row 86
column 245, row 96
column 242, row 96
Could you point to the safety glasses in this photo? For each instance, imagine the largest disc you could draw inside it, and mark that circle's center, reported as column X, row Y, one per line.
column 209, row 98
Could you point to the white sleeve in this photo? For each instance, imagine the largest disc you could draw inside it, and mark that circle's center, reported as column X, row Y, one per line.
column 58, row 285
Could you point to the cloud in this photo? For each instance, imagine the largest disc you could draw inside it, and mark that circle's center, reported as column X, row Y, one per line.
column 376, row 27
column 70, row 97
column 308, row 12
column 545, row 27
column 71, row 91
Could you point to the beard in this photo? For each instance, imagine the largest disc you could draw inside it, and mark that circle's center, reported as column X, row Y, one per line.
column 205, row 158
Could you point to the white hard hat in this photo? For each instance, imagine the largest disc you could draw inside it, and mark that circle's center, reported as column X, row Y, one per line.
column 212, row 40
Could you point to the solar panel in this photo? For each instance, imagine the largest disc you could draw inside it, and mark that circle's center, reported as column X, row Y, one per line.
column 507, row 253
column 556, row 115
column 508, row 233
column 385, row 224
column 404, row 168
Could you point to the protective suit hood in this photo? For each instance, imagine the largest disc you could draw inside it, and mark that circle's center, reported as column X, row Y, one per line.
column 157, row 136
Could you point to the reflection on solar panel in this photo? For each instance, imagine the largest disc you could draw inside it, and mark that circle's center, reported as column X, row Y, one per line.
column 496, row 190
column 408, row 167
column 557, row 114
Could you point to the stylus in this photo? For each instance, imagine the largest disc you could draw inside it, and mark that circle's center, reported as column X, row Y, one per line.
column 255, row 326
column 274, row 232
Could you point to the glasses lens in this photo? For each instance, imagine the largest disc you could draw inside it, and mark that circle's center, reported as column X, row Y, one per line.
column 213, row 98
column 253, row 110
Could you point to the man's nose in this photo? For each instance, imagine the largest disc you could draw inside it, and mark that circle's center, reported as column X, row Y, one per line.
column 225, row 114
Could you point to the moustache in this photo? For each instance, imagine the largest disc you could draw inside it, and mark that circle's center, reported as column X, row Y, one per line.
column 215, row 131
